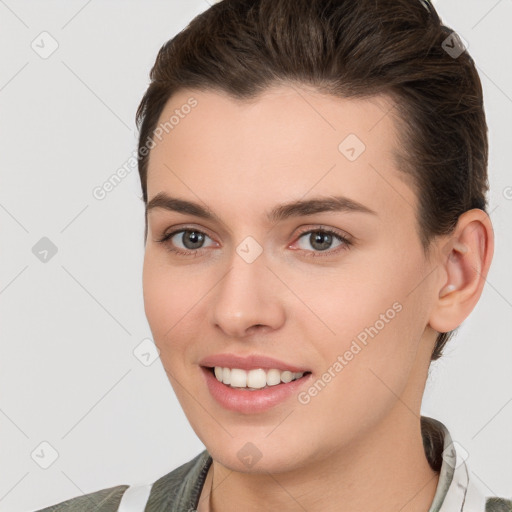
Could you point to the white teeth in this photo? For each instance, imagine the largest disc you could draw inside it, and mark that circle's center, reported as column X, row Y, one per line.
column 273, row 377
column 238, row 378
column 254, row 379
column 287, row 376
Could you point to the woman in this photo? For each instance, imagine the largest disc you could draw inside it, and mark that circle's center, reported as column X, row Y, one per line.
column 314, row 175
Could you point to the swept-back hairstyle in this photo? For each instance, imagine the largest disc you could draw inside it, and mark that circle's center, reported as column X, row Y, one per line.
column 349, row 49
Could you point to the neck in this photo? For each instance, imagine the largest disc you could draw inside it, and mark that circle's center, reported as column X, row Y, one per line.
column 385, row 471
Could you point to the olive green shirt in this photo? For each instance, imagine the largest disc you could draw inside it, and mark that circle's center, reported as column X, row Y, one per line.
column 180, row 490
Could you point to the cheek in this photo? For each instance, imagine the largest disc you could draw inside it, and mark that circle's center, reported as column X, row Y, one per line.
column 380, row 328
column 368, row 316
column 349, row 299
column 157, row 294
column 169, row 299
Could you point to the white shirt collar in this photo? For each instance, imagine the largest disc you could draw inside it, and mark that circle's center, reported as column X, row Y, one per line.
column 457, row 489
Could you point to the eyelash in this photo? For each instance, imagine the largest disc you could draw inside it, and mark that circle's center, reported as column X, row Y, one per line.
column 346, row 243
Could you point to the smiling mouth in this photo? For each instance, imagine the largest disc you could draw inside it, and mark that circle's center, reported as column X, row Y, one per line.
column 254, row 380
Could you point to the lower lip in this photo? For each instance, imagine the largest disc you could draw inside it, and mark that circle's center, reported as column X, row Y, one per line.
column 246, row 401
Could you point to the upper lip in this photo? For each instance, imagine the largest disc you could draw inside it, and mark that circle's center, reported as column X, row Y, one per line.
column 249, row 362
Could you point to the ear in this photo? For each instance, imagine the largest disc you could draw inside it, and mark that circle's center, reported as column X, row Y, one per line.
column 464, row 260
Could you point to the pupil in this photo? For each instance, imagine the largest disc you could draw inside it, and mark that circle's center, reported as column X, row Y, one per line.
column 195, row 238
column 318, row 238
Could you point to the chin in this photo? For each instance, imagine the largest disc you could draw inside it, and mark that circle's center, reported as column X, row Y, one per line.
column 256, row 458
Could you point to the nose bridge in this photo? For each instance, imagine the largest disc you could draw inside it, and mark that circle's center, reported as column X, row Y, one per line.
column 247, row 295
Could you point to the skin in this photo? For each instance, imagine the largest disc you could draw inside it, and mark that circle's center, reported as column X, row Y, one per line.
column 356, row 446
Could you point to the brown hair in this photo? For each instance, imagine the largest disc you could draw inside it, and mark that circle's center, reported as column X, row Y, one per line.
column 345, row 48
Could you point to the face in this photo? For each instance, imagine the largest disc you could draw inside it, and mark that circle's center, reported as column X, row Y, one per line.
column 339, row 292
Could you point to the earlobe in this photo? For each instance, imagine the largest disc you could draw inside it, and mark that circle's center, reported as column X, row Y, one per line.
column 465, row 263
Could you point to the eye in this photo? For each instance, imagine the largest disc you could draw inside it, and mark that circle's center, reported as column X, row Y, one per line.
column 191, row 240
column 321, row 240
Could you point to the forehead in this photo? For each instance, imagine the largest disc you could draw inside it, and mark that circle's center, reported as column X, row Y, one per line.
column 284, row 144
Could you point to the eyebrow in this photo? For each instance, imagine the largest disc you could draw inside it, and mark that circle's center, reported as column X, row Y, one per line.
column 279, row 213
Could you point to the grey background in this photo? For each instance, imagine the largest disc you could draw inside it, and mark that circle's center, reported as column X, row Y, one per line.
column 68, row 374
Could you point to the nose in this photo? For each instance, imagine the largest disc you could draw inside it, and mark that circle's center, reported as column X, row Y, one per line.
column 247, row 299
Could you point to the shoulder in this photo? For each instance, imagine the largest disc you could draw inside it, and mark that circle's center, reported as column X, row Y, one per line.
column 104, row 500
column 495, row 504
column 180, row 485
column 180, row 489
